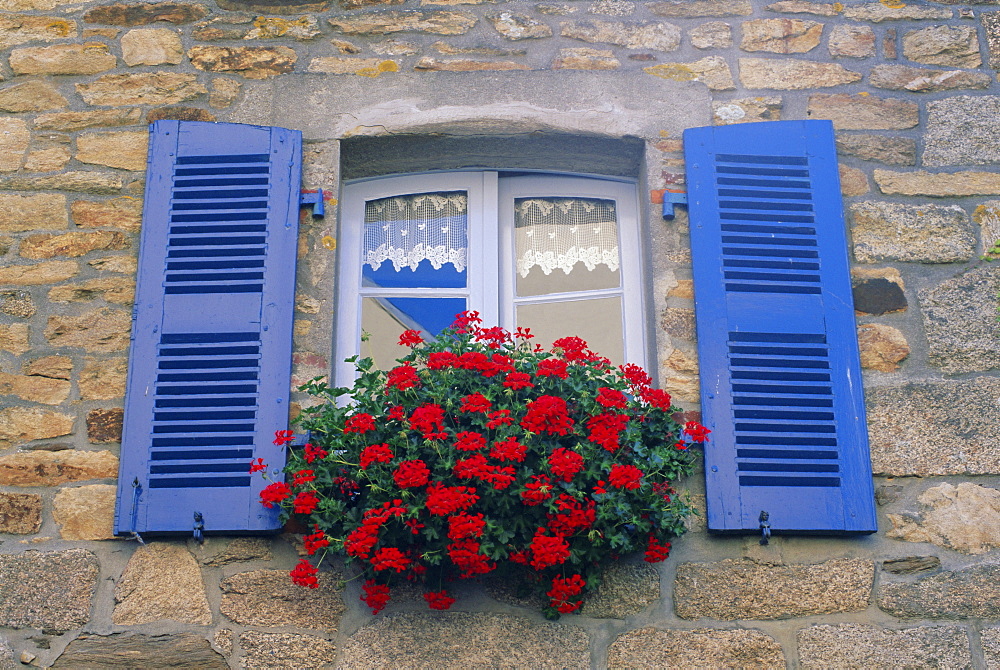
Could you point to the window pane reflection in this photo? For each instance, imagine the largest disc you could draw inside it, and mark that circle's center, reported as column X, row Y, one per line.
column 383, row 319
column 598, row 321
column 565, row 244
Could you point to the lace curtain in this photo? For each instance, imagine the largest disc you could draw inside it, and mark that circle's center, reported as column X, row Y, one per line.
column 409, row 229
column 561, row 232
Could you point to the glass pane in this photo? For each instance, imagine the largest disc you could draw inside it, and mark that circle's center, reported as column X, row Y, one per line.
column 565, row 244
column 417, row 240
column 383, row 319
column 598, row 321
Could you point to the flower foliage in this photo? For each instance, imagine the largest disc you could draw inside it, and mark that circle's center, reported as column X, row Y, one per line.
column 481, row 452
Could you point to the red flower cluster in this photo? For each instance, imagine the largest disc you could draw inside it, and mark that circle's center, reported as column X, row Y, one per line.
column 553, row 367
column 499, row 418
column 625, row 476
column 469, row 441
column 303, row 477
column 282, row 437
column 438, row 600
column 410, row 338
column 429, row 420
column 508, row 450
column 476, row 467
column 656, row 552
column 611, row 398
column 375, row 595
column 311, row 453
column 274, row 493
column 305, row 502
column 657, row 398
column 464, row 525
column 696, row 431
column 606, row 429
column 360, row 541
column 305, row 574
column 475, row 402
column 564, row 463
column 444, row 500
column 548, row 550
column 466, row 557
column 359, row 423
column 518, row 380
column 258, row 466
column 564, row 588
column 635, row 376
column 411, row 474
column 316, row 541
column 548, row 414
column 375, row 453
column 573, row 515
column 537, row 490
column 389, row 558
column 402, row 378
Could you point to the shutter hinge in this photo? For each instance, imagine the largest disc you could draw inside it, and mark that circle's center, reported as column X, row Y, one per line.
column 765, row 527
column 671, row 198
column 315, row 199
column 199, row 528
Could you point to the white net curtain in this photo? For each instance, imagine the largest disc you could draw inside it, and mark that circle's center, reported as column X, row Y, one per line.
column 559, row 233
column 409, row 229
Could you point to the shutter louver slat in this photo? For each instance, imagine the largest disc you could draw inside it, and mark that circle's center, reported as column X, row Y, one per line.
column 210, row 360
column 776, row 335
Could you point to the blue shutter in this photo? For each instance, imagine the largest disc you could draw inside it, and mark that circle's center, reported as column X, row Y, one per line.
column 209, row 365
column 777, row 342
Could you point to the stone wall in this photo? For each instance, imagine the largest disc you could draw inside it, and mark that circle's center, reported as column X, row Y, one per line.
column 912, row 89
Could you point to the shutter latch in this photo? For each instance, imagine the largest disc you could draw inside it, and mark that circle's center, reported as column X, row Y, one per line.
column 671, row 198
column 199, row 528
column 314, row 199
column 765, row 527
column 136, row 492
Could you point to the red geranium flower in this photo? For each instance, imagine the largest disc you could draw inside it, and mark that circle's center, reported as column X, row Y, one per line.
column 312, row 453
column 548, row 550
column 375, row 453
column 625, row 476
column 469, row 441
column 359, row 423
column 611, row 398
column 402, row 377
column 257, row 466
column 518, row 380
column 303, row 477
column 375, row 596
column 475, row 402
column 305, row 502
column 410, row 474
column 635, row 375
column 439, row 600
column 547, row 414
column 465, row 525
column 304, row 574
column 283, row 437
column 499, row 418
column 410, row 338
column 696, row 431
column 564, row 463
column 538, row 490
column 564, row 588
column 656, row 552
column 553, row 367
column 444, row 500
column 429, row 420
column 389, row 558
column 274, row 493
column 316, row 541
column 508, row 450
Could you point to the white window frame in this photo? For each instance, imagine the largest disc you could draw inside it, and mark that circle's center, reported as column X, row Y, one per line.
column 490, row 263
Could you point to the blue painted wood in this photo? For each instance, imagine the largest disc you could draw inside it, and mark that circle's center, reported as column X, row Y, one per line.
column 210, row 359
column 780, row 373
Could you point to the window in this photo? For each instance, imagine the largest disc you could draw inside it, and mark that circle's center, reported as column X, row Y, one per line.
column 557, row 254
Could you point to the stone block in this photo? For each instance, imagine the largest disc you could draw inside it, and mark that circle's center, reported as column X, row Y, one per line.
column 50, row 272
column 519, row 26
column 87, row 58
column 269, row 598
column 85, row 512
column 118, row 290
column 878, row 296
column 15, row 303
column 965, row 518
column 925, row 80
column 286, row 650
column 990, row 639
column 151, row 46
column 876, row 12
column 911, row 565
column 466, row 640
column 654, row 36
column 73, row 244
column 98, row 118
column 702, row 648
column 35, row 95
column 347, row 65
column 53, row 367
column 51, row 468
column 102, row 330
column 742, row 589
column 249, row 62
column 145, row 88
column 960, row 321
column 104, row 425
column 782, row 36
column 890, row 150
column 863, row 112
column 625, row 589
column 124, row 149
column 963, row 130
column 103, row 378
column 273, row 27
column 428, row 63
column 804, row 7
column 712, row 35
column 678, row 322
column 991, row 26
column 793, row 75
column 122, row 264
column 35, row 389
column 689, row 9
column 852, row 42
column 15, row 338
column 935, row 428
column 21, row 28
column 180, row 113
column 939, row 184
column 971, row 593
column 20, row 513
column 123, row 213
column 987, row 217
column 161, row 581
column 143, row 13
column 713, row 71
column 853, row 182
column 240, row 550
column 927, row 234
column 7, row 660
column 90, row 181
column 945, row 45
column 224, row 92
column 41, row 211
column 440, row 22
column 51, row 589
column 14, row 139
column 129, row 649
column 583, row 58
column 683, row 387
column 882, row 347
column 47, row 159
column 862, row 646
